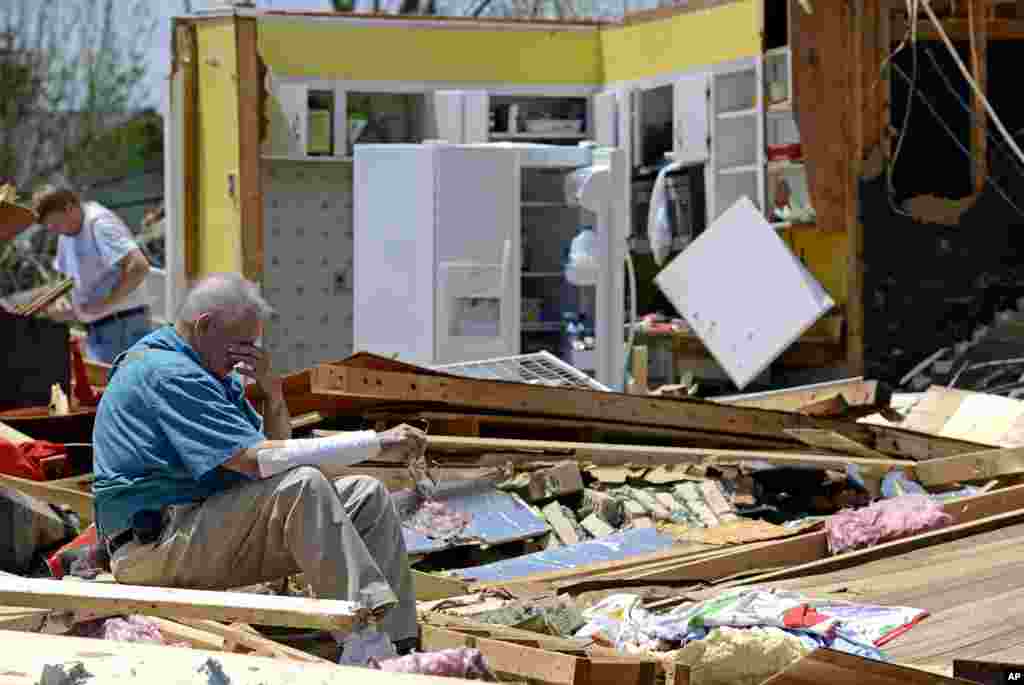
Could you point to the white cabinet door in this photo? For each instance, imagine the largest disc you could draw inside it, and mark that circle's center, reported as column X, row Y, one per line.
column 604, row 107
column 476, row 117
column 449, row 115
column 690, row 120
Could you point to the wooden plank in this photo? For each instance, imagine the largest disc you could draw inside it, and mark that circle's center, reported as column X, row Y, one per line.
column 830, row 440
column 714, row 419
column 838, row 668
column 543, row 666
column 430, row 587
column 902, row 546
column 973, row 466
column 80, row 502
column 647, row 455
column 803, row 551
column 978, row 17
column 507, row 659
column 528, row 638
column 853, row 122
column 249, row 638
column 498, row 426
column 25, row 655
column 854, row 391
column 173, row 631
column 295, row 612
column 250, row 113
column 186, row 58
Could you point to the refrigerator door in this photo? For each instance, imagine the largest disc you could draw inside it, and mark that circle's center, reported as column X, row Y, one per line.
column 394, row 251
column 478, row 225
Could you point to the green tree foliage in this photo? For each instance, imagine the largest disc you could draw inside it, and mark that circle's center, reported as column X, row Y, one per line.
column 72, row 78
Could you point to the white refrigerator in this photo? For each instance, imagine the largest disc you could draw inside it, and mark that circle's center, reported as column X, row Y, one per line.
column 460, row 252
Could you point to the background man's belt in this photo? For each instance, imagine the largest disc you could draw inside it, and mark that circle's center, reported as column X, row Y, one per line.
column 110, row 318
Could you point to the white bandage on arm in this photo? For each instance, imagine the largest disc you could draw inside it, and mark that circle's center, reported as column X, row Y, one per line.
column 342, row 449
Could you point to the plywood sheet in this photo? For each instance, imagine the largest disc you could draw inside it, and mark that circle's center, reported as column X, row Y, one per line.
column 745, row 327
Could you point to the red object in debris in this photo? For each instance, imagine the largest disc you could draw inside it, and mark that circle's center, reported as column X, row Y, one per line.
column 84, row 393
column 803, row 616
column 86, row 544
column 25, row 460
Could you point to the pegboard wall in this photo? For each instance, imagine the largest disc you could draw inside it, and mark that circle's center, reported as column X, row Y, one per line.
column 307, row 269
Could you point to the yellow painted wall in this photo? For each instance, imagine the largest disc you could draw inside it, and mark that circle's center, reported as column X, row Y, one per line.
column 219, row 216
column 684, row 41
column 375, row 52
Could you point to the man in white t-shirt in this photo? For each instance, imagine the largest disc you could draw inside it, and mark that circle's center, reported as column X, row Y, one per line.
column 96, row 251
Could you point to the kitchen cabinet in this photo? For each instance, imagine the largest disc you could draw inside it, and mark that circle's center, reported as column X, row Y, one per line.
column 737, row 137
column 472, row 263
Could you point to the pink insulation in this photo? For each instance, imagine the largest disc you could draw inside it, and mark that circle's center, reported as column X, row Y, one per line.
column 883, row 521
column 465, row 663
column 436, row 520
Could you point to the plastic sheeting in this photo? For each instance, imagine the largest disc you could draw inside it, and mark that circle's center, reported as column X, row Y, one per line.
column 613, row 547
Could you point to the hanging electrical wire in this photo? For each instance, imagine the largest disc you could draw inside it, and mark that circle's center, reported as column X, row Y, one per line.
column 970, row 80
column 949, row 131
column 912, row 10
column 997, row 141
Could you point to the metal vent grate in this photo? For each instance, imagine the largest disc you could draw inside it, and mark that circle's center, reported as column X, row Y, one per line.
column 541, row 368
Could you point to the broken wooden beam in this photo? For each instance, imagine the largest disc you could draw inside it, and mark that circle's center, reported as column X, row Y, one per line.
column 646, row 455
column 973, row 466
column 839, row 668
column 175, row 603
column 245, row 636
column 518, row 662
column 419, row 387
column 79, row 501
column 855, row 392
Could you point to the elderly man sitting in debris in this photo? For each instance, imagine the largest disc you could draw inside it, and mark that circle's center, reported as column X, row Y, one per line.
column 195, row 489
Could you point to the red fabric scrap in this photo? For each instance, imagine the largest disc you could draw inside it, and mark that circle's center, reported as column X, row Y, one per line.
column 23, row 460
column 84, row 393
column 803, row 616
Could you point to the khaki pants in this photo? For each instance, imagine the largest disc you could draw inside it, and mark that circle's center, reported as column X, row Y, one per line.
column 345, row 537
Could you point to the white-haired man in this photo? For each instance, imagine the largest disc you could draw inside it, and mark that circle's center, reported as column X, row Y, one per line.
column 195, row 489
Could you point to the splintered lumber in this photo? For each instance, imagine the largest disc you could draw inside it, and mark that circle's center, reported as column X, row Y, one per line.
column 26, row 655
column 393, row 383
column 982, row 418
column 972, row 466
column 838, row 668
column 514, row 661
column 637, row 455
column 247, row 637
column 694, row 563
column 611, row 455
column 855, row 392
column 172, row 603
column 79, row 501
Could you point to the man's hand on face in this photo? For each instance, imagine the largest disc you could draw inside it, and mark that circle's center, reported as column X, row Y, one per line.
column 254, row 362
column 402, row 444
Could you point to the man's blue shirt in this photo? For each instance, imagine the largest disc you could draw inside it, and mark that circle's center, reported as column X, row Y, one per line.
column 164, row 427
